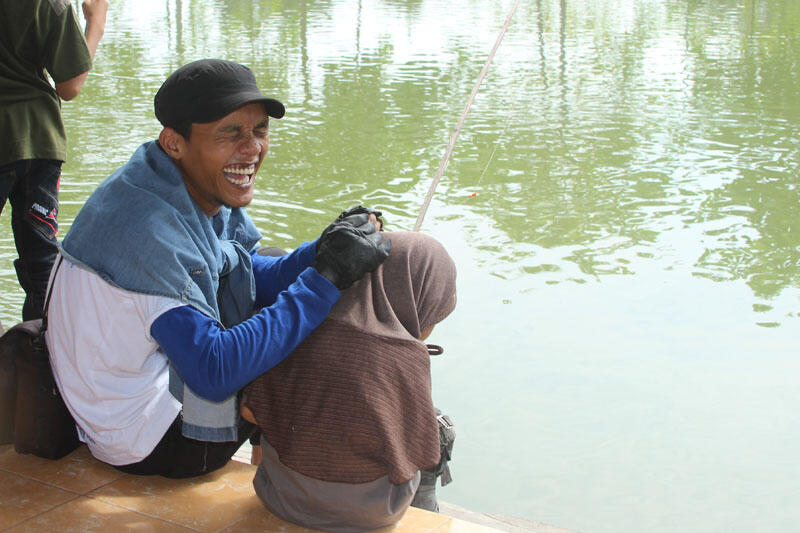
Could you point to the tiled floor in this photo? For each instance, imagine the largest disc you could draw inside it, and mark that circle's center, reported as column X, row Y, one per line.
column 78, row 493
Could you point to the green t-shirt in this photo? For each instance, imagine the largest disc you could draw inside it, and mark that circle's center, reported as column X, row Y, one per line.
column 36, row 35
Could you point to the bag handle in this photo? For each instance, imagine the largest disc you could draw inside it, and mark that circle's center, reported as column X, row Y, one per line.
column 47, row 298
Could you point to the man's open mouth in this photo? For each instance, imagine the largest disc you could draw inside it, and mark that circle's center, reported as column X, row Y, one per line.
column 240, row 174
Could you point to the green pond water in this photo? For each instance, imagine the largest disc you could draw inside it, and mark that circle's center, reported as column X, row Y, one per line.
column 622, row 204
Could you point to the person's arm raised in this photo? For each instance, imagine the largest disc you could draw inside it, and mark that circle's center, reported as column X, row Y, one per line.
column 95, row 13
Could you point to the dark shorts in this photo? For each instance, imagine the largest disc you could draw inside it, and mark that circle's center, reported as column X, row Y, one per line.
column 176, row 456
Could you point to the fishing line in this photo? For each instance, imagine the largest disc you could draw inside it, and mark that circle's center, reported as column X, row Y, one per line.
column 117, row 77
column 457, row 130
column 494, row 150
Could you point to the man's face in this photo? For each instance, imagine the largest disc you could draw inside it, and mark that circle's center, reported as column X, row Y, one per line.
column 220, row 160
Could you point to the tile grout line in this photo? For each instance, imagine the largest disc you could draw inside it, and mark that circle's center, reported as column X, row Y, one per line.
column 76, row 495
column 50, row 484
column 122, row 476
column 18, row 524
column 448, row 523
column 240, row 520
column 45, row 483
column 141, row 513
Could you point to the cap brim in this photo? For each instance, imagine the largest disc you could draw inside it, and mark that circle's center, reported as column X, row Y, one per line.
column 232, row 102
column 274, row 108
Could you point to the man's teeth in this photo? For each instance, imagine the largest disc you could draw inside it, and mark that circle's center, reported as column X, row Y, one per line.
column 245, row 174
column 240, row 170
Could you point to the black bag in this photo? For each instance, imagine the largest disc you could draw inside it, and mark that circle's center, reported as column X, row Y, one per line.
column 33, row 414
column 8, row 390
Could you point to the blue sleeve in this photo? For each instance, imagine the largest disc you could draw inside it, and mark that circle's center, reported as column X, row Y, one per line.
column 215, row 362
column 275, row 274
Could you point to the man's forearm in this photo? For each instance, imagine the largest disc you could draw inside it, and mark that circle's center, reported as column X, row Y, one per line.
column 216, row 362
column 95, row 13
column 275, row 274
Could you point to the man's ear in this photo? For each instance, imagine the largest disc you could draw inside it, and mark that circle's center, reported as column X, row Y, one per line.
column 172, row 142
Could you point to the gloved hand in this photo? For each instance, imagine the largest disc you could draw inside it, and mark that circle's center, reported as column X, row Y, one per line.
column 358, row 217
column 358, row 210
column 345, row 253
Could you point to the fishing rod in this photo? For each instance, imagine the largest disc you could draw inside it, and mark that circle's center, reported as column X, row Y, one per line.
column 448, row 152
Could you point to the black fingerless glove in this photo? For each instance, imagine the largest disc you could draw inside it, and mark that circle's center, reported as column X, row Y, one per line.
column 359, row 221
column 345, row 253
column 357, row 210
column 361, row 210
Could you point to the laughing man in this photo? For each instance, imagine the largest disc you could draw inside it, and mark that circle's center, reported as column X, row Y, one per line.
column 161, row 309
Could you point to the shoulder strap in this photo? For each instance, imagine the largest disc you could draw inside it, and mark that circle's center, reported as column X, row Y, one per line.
column 49, row 292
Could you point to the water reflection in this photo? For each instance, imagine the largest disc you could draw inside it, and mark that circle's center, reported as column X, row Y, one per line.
column 657, row 115
column 627, row 167
column 603, row 130
column 656, row 127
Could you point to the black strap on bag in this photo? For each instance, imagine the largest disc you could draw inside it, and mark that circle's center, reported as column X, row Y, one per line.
column 447, row 437
column 8, row 389
column 42, row 424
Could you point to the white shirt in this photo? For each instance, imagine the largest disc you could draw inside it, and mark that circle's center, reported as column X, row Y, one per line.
column 111, row 373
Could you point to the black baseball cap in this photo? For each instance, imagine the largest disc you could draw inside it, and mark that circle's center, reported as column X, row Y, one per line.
column 207, row 90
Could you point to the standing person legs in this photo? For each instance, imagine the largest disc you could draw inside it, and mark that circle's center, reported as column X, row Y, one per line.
column 32, row 188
